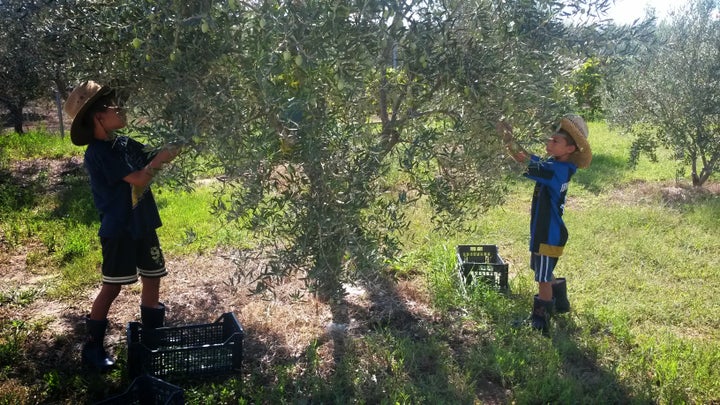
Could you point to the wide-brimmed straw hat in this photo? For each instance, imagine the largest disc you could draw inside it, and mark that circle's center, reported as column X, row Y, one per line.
column 578, row 130
column 82, row 97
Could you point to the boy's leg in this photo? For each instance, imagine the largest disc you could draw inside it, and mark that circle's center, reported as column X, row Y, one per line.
column 150, row 294
column 152, row 311
column 545, row 291
column 118, row 268
column 540, row 317
column 543, row 266
column 93, row 351
column 151, row 266
column 103, row 301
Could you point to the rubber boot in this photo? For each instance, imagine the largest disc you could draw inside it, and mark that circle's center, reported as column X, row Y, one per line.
column 559, row 289
column 93, row 352
column 540, row 317
column 152, row 318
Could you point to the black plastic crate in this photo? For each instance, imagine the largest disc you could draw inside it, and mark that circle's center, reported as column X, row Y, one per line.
column 148, row 390
column 186, row 351
column 482, row 263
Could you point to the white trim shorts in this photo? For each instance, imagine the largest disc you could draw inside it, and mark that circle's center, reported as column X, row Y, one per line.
column 543, row 267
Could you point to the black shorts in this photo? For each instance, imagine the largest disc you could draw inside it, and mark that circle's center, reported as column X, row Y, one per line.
column 124, row 258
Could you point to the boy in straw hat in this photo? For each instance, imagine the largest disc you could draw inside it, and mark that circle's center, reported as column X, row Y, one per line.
column 568, row 150
column 120, row 172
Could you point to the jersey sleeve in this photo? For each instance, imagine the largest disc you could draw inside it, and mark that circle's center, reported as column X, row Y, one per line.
column 549, row 172
column 539, row 170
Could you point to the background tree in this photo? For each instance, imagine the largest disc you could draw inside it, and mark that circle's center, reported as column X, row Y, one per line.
column 20, row 61
column 307, row 107
column 669, row 95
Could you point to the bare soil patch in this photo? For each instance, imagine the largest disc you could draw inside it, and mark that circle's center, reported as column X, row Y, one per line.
column 670, row 193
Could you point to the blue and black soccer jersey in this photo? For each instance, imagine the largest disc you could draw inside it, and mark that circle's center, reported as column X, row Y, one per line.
column 548, row 233
column 123, row 210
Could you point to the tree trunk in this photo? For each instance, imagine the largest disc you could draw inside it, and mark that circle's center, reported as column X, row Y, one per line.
column 16, row 118
column 699, row 180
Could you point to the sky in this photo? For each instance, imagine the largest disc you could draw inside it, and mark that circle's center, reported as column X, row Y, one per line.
column 626, row 11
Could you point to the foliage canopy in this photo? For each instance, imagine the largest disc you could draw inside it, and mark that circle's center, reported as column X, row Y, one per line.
column 307, row 107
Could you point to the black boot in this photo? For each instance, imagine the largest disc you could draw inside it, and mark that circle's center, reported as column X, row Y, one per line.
column 93, row 352
column 152, row 318
column 540, row 317
column 559, row 289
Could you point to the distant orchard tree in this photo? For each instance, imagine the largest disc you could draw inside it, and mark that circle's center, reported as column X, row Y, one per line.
column 19, row 76
column 33, row 49
column 669, row 95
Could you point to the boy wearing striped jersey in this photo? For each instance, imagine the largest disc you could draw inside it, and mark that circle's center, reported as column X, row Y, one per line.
column 567, row 149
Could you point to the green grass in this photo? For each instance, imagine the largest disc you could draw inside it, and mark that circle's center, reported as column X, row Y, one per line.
column 642, row 278
column 189, row 225
column 35, row 144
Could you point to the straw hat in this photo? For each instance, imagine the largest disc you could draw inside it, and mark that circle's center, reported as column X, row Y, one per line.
column 82, row 97
column 578, row 130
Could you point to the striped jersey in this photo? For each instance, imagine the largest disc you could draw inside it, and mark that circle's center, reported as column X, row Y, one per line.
column 548, row 233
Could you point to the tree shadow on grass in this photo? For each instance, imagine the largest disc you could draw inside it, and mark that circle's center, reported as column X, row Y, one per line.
column 16, row 193
column 580, row 364
column 416, row 353
column 603, row 170
column 394, row 348
column 557, row 368
column 64, row 179
column 75, row 201
column 52, row 367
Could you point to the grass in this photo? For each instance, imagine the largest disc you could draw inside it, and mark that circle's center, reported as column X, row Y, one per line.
column 190, row 230
column 641, row 266
column 35, row 144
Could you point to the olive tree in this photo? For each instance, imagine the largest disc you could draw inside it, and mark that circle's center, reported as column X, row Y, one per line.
column 331, row 119
column 34, row 46
column 20, row 61
column 669, row 93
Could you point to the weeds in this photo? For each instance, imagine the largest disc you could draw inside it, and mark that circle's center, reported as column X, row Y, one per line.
column 19, row 296
column 14, row 333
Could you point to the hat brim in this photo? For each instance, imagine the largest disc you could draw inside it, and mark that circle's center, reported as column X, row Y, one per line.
column 583, row 154
column 80, row 134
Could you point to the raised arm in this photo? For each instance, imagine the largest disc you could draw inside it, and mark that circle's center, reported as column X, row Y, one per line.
column 143, row 177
